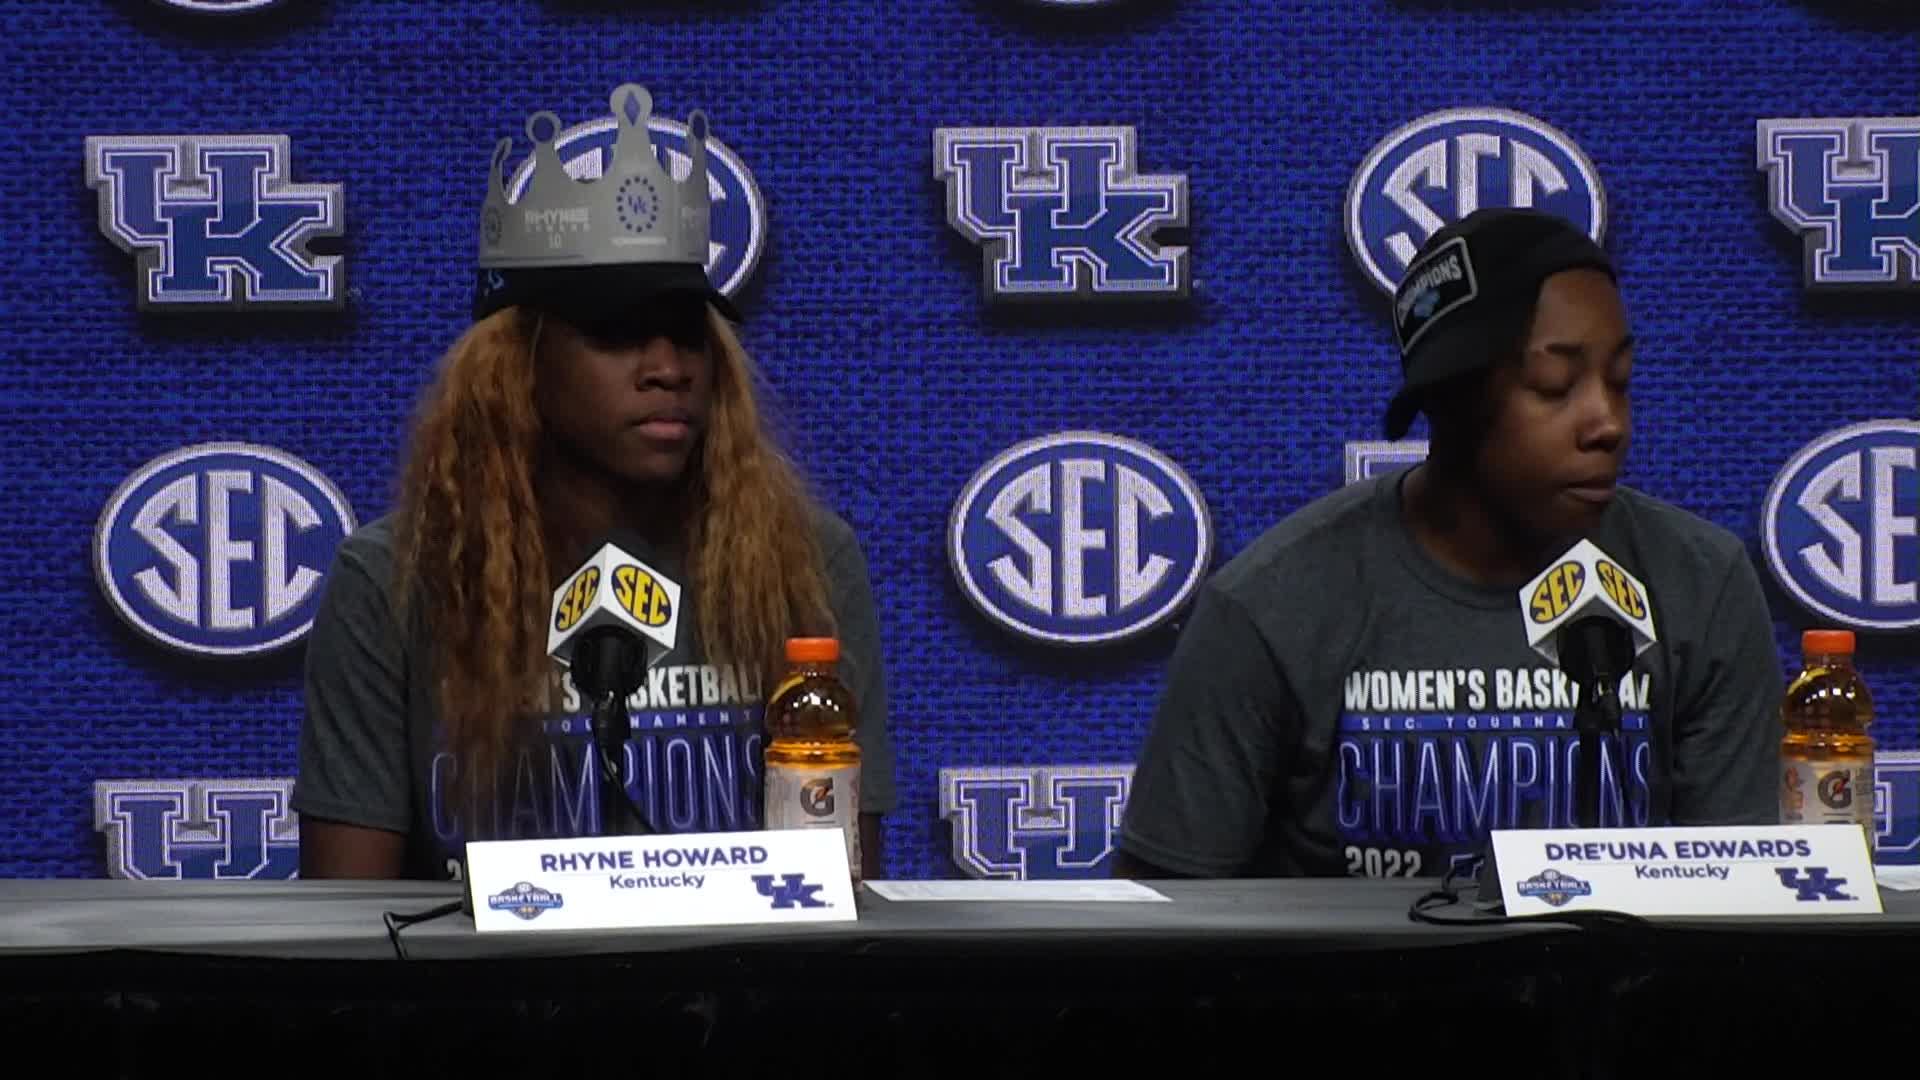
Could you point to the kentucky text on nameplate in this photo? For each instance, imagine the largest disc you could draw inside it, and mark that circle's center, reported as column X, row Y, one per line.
column 1730, row 870
column 639, row 882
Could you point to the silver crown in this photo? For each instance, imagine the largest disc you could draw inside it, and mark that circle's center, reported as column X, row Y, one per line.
column 634, row 213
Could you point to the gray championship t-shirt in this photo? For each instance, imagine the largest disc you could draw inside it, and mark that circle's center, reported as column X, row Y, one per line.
column 1341, row 704
column 371, row 755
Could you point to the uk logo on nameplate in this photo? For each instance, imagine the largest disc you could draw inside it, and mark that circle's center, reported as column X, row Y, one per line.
column 639, row 882
column 1728, row 870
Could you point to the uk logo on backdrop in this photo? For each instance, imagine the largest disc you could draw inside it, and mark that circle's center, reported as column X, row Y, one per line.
column 1080, row 538
column 1445, row 165
column 1063, row 214
column 216, row 221
column 1896, row 802
column 1365, row 459
column 1850, row 188
column 219, row 549
column 198, row 829
column 1839, row 525
column 1029, row 823
column 737, row 227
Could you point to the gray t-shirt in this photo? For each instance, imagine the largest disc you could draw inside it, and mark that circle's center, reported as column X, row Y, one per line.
column 1341, row 704
column 370, row 752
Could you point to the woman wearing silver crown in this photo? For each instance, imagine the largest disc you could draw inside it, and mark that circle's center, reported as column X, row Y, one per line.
column 600, row 387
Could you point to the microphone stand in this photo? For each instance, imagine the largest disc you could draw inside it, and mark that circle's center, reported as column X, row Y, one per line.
column 610, row 732
column 1597, row 715
column 609, row 665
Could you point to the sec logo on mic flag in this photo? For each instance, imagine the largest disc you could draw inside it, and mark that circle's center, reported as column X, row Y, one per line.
column 1621, row 587
column 578, row 598
column 642, row 595
column 1080, row 538
column 1557, row 590
column 218, row 549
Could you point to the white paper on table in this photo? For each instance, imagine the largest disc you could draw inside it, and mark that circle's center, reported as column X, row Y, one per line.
column 1097, row 891
column 1898, row 878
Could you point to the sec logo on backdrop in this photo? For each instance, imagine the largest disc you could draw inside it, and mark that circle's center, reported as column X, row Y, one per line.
column 737, row 230
column 218, row 549
column 1445, row 165
column 1838, row 525
column 1080, row 538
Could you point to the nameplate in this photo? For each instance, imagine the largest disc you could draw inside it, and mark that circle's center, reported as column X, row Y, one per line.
column 1730, row 870
column 638, row 882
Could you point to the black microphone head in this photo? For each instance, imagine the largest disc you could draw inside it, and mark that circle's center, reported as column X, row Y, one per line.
column 609, row 660
column 1596, row 647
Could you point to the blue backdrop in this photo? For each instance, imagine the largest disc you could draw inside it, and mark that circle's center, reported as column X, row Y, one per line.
column 866, row 309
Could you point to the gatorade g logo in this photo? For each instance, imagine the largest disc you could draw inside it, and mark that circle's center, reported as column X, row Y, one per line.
column 642, row 596
column 1793, row 801
column 1555, row 594
column 1836, row 789
column 579, row 598
column 1615, row 581
column 816, row 797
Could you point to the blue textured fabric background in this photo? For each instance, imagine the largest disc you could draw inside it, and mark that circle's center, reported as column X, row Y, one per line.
column 866, row 309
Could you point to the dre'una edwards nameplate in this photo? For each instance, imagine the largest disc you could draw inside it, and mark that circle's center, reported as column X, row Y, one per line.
column 1734, row 870
column 636, row 882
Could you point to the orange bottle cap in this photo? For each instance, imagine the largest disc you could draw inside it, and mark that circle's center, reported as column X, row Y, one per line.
column 812, row 650
column 1827, row 642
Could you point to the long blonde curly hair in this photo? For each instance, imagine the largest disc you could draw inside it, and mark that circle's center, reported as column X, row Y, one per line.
column 472, row 537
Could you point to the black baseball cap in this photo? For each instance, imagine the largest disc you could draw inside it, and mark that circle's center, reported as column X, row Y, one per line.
column 593, row 294
column 1460, row 291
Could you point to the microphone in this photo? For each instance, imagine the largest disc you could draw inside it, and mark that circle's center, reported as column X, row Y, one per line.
column 1591, row 618
column 612, row 619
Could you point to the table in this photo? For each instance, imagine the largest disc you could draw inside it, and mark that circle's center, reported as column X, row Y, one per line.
column 303, row 974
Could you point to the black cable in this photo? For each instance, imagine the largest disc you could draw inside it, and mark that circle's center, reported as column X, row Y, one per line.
column 1445, row 895
column 396, row 923
column 609, row 774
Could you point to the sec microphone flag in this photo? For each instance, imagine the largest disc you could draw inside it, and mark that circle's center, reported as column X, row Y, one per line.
column 1581, row 584
column 614, row 589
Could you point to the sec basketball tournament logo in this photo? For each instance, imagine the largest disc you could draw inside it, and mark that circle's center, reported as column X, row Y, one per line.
column 1080, row 538
column 1555, row 887
column 738, row 224
column 1445, row 165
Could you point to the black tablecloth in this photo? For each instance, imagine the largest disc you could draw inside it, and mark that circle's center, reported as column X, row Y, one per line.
column 304, row 974
column 342, row 920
